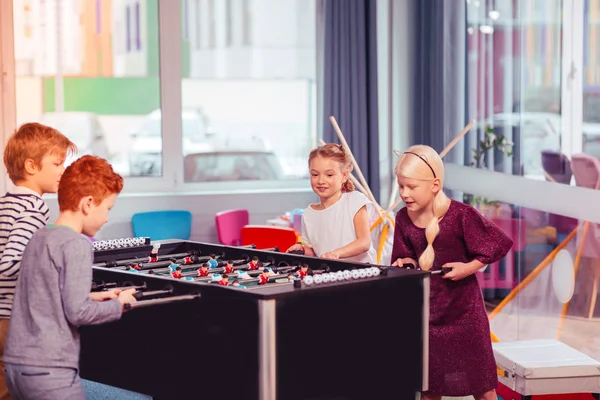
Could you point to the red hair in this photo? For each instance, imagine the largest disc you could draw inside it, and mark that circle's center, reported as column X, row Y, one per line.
column 87, row 176
column 337, row 153
column 33, row 141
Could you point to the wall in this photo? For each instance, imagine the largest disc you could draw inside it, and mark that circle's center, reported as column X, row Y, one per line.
column 262, row 206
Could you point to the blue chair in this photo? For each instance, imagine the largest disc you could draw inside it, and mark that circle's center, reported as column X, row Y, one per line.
column 159, row 225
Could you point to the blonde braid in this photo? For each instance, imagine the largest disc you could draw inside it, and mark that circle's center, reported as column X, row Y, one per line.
column 441, row 203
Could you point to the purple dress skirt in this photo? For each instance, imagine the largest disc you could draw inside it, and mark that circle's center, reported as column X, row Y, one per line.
column 461, row 359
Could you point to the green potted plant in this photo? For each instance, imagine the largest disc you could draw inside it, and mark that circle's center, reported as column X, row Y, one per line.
column 489, row 141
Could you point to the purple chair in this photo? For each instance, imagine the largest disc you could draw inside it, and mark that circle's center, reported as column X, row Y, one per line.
column 229, row 226
column 558, row 166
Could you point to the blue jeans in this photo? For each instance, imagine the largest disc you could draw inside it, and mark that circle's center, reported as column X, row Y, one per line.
column 26, row 382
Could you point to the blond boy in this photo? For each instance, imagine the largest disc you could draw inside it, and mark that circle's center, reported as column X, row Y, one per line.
column 34, row 158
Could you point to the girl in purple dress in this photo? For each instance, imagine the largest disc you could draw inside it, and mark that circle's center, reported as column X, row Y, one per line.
column 443, row 233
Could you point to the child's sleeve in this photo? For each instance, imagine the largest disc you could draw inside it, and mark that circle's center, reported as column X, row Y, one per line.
column 485, row 242
column 357, row 201
column 20, row 234
column 76, row 281
column 402, row 247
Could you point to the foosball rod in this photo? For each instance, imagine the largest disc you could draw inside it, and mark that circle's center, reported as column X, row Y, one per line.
column 162, row 264
column 153, row 302
column 253, row 273
column 114, row 263
column 194, row 267
column 237, row 268
column 272, row 278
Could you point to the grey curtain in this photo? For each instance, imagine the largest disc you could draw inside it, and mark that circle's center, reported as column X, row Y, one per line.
column 440, row 75
column 348, row 79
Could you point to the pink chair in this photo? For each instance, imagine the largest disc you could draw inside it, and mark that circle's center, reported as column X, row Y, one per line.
column 491, row 278
column 586, row 170
column 229, row 226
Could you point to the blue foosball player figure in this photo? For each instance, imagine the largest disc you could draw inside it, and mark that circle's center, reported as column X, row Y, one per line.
column 131, row 268
column 236, row 284
column 173, row 265
column 212, row 261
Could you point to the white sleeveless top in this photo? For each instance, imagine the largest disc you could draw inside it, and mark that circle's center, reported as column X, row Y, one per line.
column 329, row 229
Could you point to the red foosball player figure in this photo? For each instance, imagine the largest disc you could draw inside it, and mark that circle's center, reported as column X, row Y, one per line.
column 228, row 268
column 224, row 280
column 189, row 260
column 203, row 270
column 253, row 265
column 303, row 271
column 177, row 273
column 264, row 277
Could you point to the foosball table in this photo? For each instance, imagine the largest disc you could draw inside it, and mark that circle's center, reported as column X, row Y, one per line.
column 259, row 325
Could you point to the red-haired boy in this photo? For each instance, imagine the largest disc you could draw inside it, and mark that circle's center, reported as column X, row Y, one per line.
column 53, row 296
column 34, row 158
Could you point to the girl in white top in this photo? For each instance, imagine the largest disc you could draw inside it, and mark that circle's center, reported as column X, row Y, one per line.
column 338, row 226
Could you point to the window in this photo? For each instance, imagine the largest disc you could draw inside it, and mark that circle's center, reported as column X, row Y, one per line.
column 591, row 78
column 101, row 98
column 252, row 98
column 514, row 80
column 94, row 70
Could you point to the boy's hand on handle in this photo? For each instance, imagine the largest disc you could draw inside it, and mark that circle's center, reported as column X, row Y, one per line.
column 105, row 295
column 457, row 271
column 126, row 296
column 406, row 263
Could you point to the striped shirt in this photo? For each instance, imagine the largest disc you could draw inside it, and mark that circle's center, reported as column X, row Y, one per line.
column 22, row 213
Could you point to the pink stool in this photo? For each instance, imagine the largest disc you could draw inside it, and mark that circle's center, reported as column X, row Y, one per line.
column 491, row 278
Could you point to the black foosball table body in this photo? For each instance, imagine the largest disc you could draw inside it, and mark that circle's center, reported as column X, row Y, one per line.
column 362, row 338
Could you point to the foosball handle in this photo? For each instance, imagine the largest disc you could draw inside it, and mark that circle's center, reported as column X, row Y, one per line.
column 148, row 303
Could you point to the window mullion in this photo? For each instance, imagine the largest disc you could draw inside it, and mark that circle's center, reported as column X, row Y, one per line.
column 170, row 91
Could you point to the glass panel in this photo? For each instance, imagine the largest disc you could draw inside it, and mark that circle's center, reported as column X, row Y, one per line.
column 525, row 292
column 591, row 79
column 514, row 84
column 90, row 69
column 248, row 89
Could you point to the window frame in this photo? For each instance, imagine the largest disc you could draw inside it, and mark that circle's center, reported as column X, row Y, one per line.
column 8, row 99
column 572, row 77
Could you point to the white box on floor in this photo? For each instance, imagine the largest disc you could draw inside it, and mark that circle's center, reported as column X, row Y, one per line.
column 545, row 366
